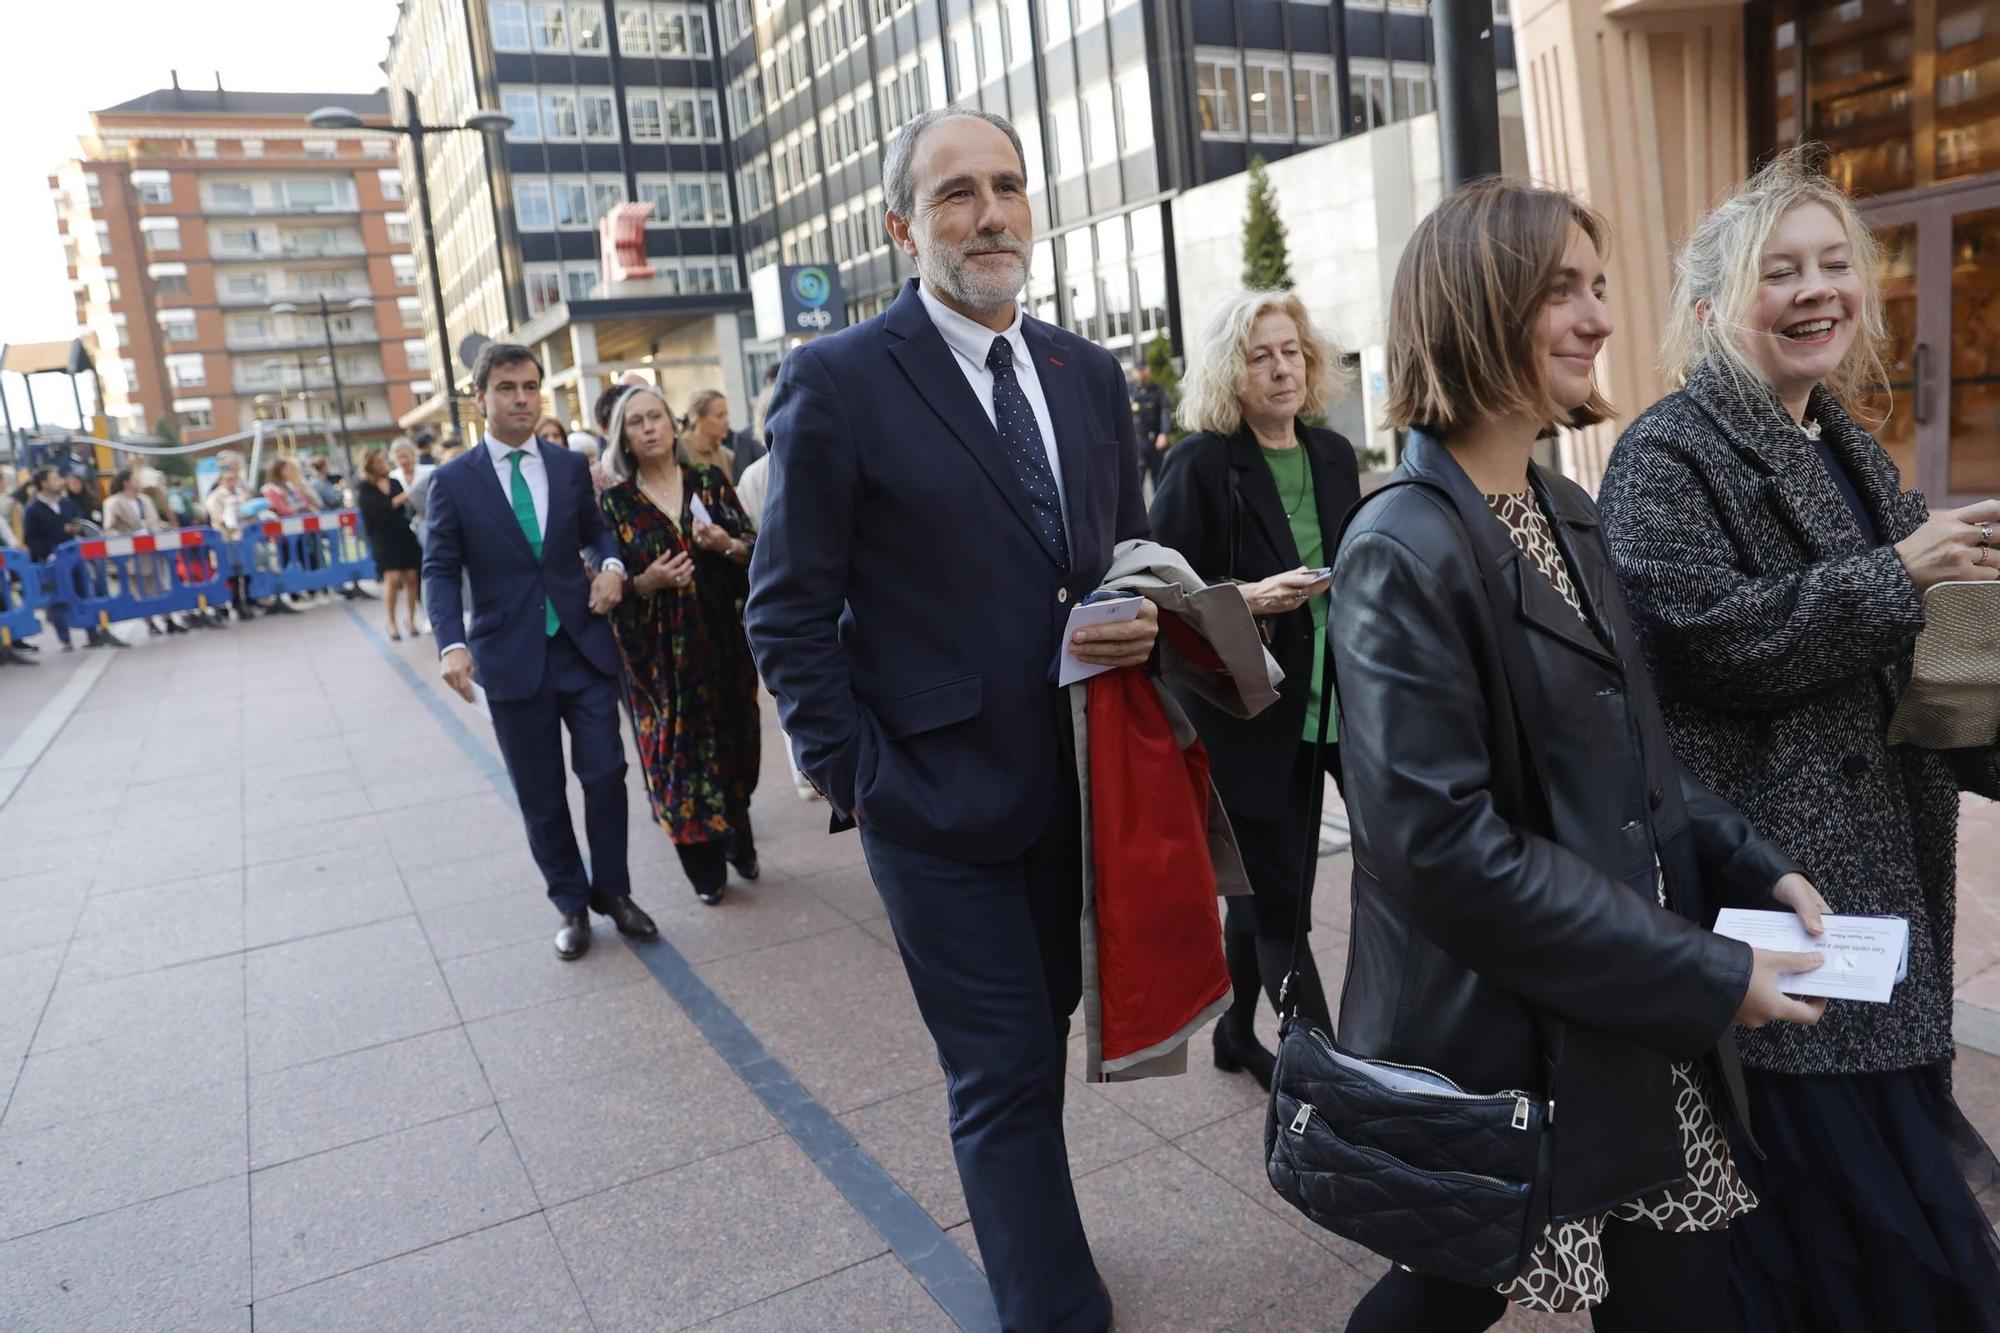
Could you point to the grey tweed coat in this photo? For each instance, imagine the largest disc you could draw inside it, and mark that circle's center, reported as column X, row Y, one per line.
column 1781, row 640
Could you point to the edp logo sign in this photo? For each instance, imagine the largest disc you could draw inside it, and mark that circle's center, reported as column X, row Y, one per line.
column 812, row 299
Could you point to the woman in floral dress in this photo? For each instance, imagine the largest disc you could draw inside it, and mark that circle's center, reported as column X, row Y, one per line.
column 689, row 676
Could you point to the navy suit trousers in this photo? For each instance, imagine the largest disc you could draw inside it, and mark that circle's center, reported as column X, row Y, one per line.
column 576, row 695
column 995, row 960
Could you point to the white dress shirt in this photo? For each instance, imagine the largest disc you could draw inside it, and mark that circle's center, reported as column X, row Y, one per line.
column 536, row 473
column 970, row 341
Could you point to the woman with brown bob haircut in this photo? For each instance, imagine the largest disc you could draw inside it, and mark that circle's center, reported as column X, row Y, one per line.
column 1532, row 866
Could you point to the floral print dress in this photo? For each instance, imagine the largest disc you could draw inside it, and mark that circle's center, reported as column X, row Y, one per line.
column 688, row 672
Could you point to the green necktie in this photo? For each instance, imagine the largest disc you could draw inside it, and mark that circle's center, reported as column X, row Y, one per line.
column 524, row 514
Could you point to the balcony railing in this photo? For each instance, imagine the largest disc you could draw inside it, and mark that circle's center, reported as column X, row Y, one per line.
column 228, row 208
column 291, row 249
column 248, row 342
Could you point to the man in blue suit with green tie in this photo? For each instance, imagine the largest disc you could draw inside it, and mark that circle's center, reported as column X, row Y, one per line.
column 519, row 518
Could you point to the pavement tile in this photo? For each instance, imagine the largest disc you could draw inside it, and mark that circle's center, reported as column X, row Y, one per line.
column 327, row 891
column 450, row 883
column 529, row 973
column 463, row 826
column 841, row 881
column 132, row 1069
column 272, row 827
column 879, row 1296
column 836, row 1009
column 335, row 1211
column 26, row 980
column 120, row 871
column 672, row 1250
column 310, row 1108
column 751, row 916
column 160, row 904
column 1327, row 1300
column 38, row 911
column 910, row 1138
column 323, row 996
column 580, row 1037
column 171, row 1003
column 505, row 1279
column 1234, row 1150
column 1180, row 1249
column 199, row 926
column 52, row 1176
column 578, row 1137
column 461, row 928
column 182, row 1263
column 411, row 796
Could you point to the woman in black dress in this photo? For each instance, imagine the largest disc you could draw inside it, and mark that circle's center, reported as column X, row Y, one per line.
column 385, row 513
column 1255, row 497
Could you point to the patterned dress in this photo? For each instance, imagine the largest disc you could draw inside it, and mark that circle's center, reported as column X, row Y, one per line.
column 1566, row 1271
column 688, row 672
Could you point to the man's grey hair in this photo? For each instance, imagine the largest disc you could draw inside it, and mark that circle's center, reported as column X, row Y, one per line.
column 899, row 163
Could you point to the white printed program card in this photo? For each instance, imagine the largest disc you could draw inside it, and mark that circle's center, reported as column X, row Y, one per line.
column 699, row 510
column 1865, row 955
column 1082, row 616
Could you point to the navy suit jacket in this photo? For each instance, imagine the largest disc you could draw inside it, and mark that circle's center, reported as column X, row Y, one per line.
column 472, row 531
column 44, row 531
column 903, row 611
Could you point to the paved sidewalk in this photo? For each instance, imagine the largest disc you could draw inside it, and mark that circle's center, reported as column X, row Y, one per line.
column 283, row 1045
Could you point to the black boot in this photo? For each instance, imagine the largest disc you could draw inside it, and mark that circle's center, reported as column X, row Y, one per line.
column 743, row 853
column 1236, row 1044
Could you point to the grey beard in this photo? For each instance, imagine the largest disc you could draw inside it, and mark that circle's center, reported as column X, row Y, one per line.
column 946, row 270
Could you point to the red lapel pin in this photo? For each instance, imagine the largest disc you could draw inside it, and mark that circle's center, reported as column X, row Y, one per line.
column 1054, row 362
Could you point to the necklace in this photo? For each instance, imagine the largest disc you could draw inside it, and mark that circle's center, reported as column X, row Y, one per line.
column 1293, row 505
column 1809, row 428
column 660, row 501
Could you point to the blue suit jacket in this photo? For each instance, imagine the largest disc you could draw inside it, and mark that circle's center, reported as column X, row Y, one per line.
column 473, row 531
column 902, row 609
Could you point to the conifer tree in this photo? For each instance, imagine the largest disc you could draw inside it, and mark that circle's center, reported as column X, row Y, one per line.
column 1266, row 265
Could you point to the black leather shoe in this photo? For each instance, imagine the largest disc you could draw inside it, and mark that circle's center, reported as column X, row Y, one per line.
column 1241, row 1052
column 746, row 867
column 573, row 940
column 631, row 919
column 711, row 894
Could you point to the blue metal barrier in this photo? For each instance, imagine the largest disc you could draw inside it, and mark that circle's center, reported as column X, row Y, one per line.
column 22, row 593
column 105, row 579
column 304, row 554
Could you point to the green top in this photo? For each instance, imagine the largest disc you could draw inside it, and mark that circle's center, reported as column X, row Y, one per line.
column 1291, row 470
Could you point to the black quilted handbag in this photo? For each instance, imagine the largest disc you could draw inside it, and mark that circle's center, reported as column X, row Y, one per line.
column 1398, row 1158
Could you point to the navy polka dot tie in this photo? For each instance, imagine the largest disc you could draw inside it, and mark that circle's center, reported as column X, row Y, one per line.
column 1021, row 434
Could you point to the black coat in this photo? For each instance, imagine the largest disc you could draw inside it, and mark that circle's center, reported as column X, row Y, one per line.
column 1781, row 635
column 1506, row 929
column 1251, row 760
column 43, row 530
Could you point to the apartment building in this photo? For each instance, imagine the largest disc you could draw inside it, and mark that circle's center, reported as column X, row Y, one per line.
column 189, row 214
column 755, row 129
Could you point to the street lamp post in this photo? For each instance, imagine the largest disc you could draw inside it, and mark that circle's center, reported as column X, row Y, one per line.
column 483, row 121
column 332, row 364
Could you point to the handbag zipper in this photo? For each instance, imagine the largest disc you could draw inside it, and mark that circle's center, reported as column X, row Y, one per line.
column 1521, row 1098
column 1304, row 1118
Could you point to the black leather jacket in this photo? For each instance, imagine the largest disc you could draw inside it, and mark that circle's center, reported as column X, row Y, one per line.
column 1510, row 786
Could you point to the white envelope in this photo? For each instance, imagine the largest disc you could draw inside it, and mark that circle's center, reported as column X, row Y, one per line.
column 1068, row 669
column 699, row 510
column 1865, row 955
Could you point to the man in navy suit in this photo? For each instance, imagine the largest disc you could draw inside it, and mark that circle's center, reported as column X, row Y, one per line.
column 946, row 481
column 520, row 520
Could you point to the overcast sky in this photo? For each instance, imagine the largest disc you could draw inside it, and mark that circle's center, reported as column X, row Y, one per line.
column 69, row 59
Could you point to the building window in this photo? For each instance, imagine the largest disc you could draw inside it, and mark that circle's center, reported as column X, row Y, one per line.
column 163, row 235
column 642, row 116
column 410, row 310
column 322, row 148
column 544, row 282
column 578, row 279
column 657, row 191
column 1135, row 107
column 1270, row 97
column 187, row 370
column 399, row 227
column 549, row 28
column 391, row 183
column 1312, row 102
column 404, row 268
column 247, row 286
column 509, row 20
column 253, row 148
column 531, row 206
column 635, row 30
column 152, row 187
column 1219, row 95
column 572, row 203
column 377, row 148
column 690, row 202
column 204, row 148
column 525, row 108
column 586, row 29
column 169, row 279
column 177, row 326
column 559, row 115
column 195, row 413
column 416, row 353
column 1100, row 133
column 600, row 116
column 604, row 196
